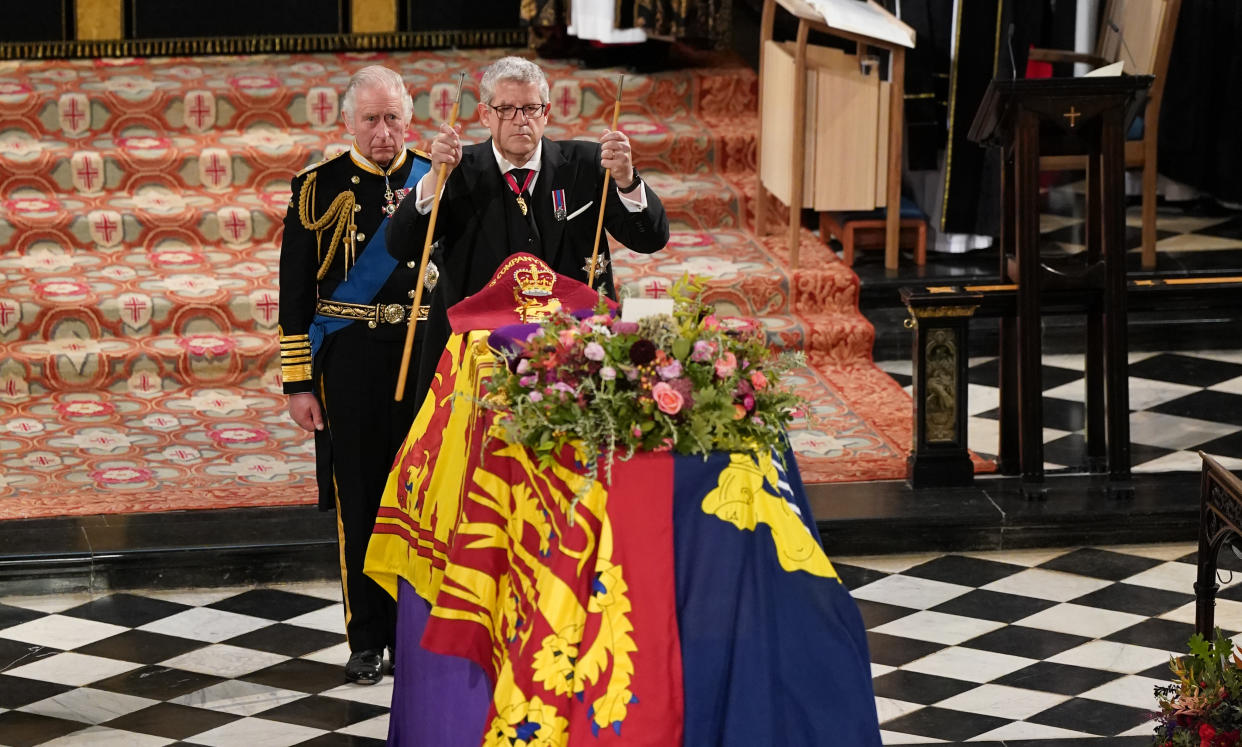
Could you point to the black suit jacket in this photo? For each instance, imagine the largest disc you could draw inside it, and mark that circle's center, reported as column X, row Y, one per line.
column 472, row 232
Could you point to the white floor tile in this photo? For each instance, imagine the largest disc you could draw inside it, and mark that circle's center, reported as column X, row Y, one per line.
column 1022, row 730
column 891, row 708
column 257, row 731
column 1077, row 619
column 1161, row 551
column 905, row 367
column 72, row 669
column 196, row 597
column 1230, row 386
column 1045, row 584
column 238, row 698
column 1131, row 690
column 893, row 737
column 61, row 631
column 222, row 660
column 1174, row 431
column 981, row 398
column 1227, row 617
column 373, row 728
column 1028, row 557
column 338, row 654
column 49, row 602
column 102, row 736
column 1112, row 656
column 1003, row 702
column 879, row 670
column 330, row 618
column 206, row 624
column 938, row 627
column 908, row 591
column 379, row 694
column 1168, row 576
column 88, row 705
column 888, row 563
column 1146, row 393
column 972, row 665
column 330, row 590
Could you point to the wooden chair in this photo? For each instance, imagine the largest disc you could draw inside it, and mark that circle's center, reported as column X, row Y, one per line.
column 1140, row 34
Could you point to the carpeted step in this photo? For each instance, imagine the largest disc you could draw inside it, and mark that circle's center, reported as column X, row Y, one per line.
column 199, row 94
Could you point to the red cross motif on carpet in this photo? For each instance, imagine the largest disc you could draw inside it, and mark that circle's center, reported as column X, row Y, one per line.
column 105, row 227
column 74, row 113
column 566, row 98
column 235, row 225
column 215, row 169
column 441, row 99
column 200, row 110
column 88, row 172
column 321, row 106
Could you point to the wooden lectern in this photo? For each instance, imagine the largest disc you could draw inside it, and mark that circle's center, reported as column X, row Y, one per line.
column 1063, row 116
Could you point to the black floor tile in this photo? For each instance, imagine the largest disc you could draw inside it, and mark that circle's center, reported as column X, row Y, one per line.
column 141, row 646
column 171, row 721
column 1185, row 369
column 16, row 692
column 10, row 616
column 1031, row 643
column 1230, row 228
column 300, row 675
column 1104, row 564
column 854, row 576
column 1138, row 600
column 1062, row 679
column 1143, row 453
column 945, row 724
column 1069, row 450
column 272, row 604
column 341, row 740
column 1218, row 407
column 1161, row 671
column 287, row 640
column 1092, row 717
column 988, row 374
column 894, row 650
column 1063, row 414
column 1085, row 742
column 875, row 614
column 19, row 729
column 1155, row 633
column 14, row 654
column 1230, row 445
column 963, row 570
column 159, row 683
column 915, row 687
column 129, row 610
column 993, row 605
column 321, row 712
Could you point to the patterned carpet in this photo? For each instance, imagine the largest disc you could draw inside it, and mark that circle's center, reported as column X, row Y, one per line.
column 142, row 206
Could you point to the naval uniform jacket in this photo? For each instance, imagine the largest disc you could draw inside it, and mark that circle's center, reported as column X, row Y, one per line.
column 473, row 236
column 302, row 258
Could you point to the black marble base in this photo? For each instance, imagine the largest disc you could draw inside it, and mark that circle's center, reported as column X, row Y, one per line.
column 242, row 546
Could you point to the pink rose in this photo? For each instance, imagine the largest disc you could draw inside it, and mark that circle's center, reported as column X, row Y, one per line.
column 567, row 336
column 726, row 365
column 668, row 399
column 759, row 380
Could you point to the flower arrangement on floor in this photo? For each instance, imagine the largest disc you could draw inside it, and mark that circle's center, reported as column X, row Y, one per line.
column 689, row 382
column 1203, row 706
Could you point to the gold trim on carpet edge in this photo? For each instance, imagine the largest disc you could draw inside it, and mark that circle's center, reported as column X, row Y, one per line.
column 403, row 40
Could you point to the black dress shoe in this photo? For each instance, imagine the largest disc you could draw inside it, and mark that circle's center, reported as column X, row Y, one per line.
column 365, row 667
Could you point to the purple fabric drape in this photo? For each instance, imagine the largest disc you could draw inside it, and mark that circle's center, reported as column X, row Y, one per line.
column 437, row 701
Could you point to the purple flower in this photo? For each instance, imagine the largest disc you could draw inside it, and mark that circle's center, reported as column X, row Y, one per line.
column 561, row 386
column 625, row 328
column 593, row 351
column 670, row 371
column 536, row 396
column 608, row 373
column 523, row 366
column 528, row 381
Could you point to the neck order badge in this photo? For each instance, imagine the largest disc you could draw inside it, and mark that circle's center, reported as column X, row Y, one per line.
column 528, row 176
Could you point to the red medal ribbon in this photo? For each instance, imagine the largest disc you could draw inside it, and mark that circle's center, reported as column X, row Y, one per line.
column 530, row 177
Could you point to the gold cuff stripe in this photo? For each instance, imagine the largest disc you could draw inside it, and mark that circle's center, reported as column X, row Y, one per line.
column 292, row 373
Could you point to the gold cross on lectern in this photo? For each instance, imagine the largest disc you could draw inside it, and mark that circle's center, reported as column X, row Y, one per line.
column 1072, row 115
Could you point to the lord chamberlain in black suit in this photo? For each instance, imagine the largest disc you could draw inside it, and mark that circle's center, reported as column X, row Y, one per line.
column 521, row 192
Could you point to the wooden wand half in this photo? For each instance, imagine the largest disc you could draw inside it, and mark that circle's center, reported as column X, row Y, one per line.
column 422, row 266
column 603, row 198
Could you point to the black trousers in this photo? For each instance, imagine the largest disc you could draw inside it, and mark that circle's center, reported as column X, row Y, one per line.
column 358, row 377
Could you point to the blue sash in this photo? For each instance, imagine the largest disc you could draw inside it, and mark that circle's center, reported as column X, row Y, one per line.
column 369, row 273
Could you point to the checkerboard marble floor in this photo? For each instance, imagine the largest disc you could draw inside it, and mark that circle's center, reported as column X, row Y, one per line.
column 1180, row 403
column 1025, row 647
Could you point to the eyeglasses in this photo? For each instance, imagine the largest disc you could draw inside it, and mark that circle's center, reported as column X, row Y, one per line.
column 531, row 111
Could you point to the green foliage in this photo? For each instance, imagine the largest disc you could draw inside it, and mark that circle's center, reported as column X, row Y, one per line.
column 1201, row 707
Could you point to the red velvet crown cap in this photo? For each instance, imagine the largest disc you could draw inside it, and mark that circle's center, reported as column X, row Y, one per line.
column 522, row 280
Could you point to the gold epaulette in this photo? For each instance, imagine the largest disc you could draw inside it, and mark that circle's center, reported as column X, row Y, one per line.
column 295, row 358
column 317, row 164
column 421, row 154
